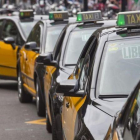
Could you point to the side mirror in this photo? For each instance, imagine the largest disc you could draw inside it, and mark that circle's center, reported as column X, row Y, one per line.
column 10, row 40
column 69, row 88
column 31, row 46
column 49, row 61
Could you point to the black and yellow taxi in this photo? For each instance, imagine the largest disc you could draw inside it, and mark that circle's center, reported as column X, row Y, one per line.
column 126, row 125
column 14, row 32
column 99, row 87
column 41, row 41
column 60, row 64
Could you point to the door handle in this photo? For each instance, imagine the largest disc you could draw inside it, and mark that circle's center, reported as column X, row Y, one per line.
column 67, row 105
column 46, row 72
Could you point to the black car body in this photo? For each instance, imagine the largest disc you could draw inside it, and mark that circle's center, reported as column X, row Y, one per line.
column 56, row 68
column 126, row 125
column 108, row 74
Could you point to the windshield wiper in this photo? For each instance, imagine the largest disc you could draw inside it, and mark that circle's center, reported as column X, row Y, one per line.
column 113, row 96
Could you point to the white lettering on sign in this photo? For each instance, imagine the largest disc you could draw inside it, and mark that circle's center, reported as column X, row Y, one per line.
column 131, row 52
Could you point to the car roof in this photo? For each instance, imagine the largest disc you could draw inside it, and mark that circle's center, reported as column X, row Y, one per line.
column 70, row 20
column 96, row 25
column 115, row 33
column 36, row 17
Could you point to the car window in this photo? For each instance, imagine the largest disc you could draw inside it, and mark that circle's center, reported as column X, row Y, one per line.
column 119, row 71
column 84, row 73
column 91, row 43
column 19, row 40
column 52, row 36
column 75, row 45
column 1, row 24
column 27, row 27
column 132, row 128
column 57, row 48
column 35, row 35
column 10, row 30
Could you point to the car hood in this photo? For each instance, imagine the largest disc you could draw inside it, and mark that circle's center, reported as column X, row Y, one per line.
column 100, row 115
column 109, row 105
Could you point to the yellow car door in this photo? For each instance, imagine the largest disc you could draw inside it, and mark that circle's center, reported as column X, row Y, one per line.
column 31, row 55
column 23, row 56
column 30, row 66
column 47, row 82
column 8, row 54
column 71, row 105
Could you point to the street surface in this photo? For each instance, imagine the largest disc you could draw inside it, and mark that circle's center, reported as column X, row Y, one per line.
column 19, row 121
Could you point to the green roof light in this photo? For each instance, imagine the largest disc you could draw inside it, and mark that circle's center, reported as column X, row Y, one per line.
column 51, row 16
column 79, row 17
column 22, row 14
column 121, row 20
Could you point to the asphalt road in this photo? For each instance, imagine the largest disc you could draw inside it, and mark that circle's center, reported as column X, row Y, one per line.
column 17, row 121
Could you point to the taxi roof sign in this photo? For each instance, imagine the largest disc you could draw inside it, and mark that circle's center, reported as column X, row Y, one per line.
column 58, row 16
column 24, row 14
column 128, row 19
column 89, row 16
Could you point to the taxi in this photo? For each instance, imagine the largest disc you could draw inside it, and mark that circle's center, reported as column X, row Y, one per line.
column 60, row 64
column 41, row 41
column 99, row 88
column 126, row 125
column 14, row 32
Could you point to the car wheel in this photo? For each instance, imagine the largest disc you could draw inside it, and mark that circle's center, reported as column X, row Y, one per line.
column 56, row 124
column 40, row 105
column 23, row 96
column 48, row 124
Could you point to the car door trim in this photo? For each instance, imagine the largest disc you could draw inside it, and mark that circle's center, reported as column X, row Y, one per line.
column 7, row 67
column 27, row 76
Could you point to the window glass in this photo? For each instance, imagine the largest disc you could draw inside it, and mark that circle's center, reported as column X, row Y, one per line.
column 1, row 24
column 84, row 73
column 132, row 130
column 120, row 67
column 19, row 40
column 10, row 30
column 27, row 27
column 56, row 51
column 35, row 35
column 75, row 45
column 78, row 68
column 52, row 36
column 89, row 48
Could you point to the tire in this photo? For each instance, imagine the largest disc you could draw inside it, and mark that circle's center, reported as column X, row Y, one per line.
column 48, row 124
column 40, row 105
column 23, row 96
column 56, row 124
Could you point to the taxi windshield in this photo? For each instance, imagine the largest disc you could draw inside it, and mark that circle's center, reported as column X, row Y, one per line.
column 120, row 67
column 75, row 45
column 27, row 27
column 52, row 36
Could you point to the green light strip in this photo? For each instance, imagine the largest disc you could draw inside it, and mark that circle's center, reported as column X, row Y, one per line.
column 51, row 16
column 79, row 17
column 121, row 20
column 22, row 14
